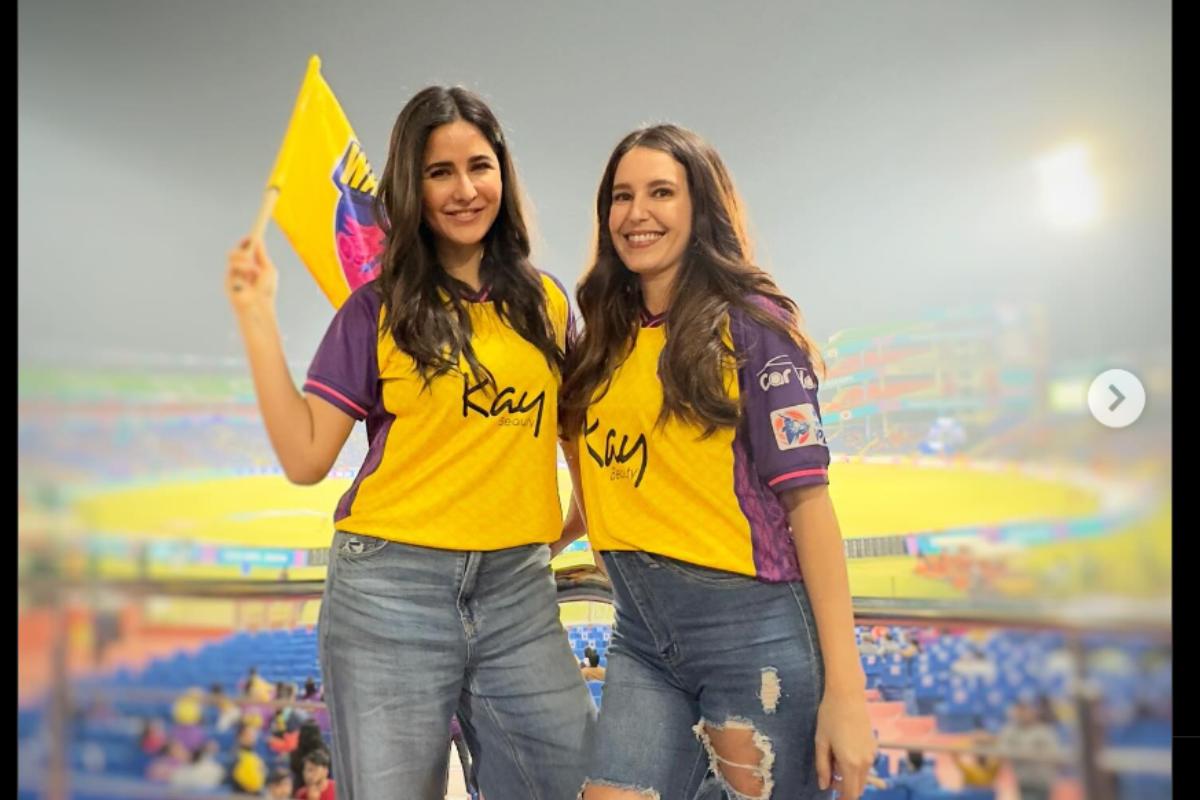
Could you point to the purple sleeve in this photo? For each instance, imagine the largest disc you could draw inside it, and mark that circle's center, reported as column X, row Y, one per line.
column 345, row 370
column 780, row 408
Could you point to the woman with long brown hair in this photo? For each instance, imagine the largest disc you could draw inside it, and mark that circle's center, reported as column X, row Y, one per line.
column 439, row 598
column 692, row 398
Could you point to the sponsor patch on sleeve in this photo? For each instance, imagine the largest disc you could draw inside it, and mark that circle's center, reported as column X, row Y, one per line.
column 779, row 371
column 797, row 426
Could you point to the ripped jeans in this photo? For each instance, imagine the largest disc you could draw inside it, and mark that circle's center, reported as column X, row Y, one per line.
column 698, row 655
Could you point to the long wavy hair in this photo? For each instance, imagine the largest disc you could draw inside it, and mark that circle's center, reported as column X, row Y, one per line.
column 414, row 288
column 716, row 276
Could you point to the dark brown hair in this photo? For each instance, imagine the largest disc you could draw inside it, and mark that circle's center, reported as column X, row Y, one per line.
column 717, row 275
column 412, row 284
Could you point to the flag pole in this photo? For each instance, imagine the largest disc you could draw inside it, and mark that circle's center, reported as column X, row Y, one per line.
column 270, row 195
column 260, row 223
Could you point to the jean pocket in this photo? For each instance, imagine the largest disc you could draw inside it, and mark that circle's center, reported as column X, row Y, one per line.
column 706, row 576
column 356, row 546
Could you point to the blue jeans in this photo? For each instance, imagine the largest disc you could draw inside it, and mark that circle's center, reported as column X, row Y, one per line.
column 694, row 645
column 410, row 635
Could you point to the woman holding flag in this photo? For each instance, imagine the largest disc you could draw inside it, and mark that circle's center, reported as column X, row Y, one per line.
column 439, row 598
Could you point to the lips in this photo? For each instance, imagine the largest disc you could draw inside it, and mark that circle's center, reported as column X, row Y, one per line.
column 640, row 239
column 464, row 215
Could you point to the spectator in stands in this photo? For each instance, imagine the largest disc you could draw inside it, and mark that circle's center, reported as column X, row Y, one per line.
column 887, row 645
column 310, row 690
column 187, row 712
column 258, row 706
column 251, row 718
column 978, row 772
column 1031, row 733
column 915, row 773
column 317, row 783
column 205, row 771
column 279, row 784
column 229, row 713
column 913, row 761
column 285, row 692
column 248, row 772
column 310, row 739
column 173, row 756
column 292, row 715
column 247, row 733
column 975, row 663
column 284, row 732
column 592, row 671
column 879, row 768
column 926, row 637
column 251, row 682
column 154, row 737
column 106, row 629
column 262, row 692
column 867, row 646
column 256, row 689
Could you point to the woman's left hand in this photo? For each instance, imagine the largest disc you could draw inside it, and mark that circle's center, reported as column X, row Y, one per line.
column 845, row 743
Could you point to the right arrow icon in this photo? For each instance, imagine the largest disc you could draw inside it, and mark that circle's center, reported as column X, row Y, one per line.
column 1120, row 397
column 1116, row 398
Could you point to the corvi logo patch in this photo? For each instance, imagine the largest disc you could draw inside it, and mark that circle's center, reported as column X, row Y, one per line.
column 780, row 371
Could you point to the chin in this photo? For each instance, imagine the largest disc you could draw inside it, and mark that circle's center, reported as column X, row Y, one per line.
column 466, row 238
column 638, row 268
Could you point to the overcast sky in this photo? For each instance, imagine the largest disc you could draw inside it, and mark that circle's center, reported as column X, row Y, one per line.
column 886, row 150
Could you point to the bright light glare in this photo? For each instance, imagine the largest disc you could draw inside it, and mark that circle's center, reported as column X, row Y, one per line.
column 1070, row 190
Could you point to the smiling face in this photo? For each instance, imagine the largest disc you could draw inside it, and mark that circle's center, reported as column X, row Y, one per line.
column 461, row 186
column 650, row 220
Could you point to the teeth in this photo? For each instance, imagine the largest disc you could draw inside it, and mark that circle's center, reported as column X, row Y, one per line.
column 643, row 238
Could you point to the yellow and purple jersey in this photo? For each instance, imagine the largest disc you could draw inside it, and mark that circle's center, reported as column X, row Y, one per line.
column 709, row 501
column 456, row 464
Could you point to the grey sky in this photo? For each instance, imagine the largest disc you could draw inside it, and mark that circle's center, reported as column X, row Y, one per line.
column 885, row 149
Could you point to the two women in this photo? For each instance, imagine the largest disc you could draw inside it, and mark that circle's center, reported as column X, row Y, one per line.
column 692, row 425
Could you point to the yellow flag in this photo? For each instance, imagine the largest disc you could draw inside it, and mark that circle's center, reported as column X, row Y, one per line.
column 326, row 192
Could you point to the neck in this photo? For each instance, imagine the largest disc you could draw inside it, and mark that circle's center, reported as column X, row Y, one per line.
column 461, row 262
column 656, row 291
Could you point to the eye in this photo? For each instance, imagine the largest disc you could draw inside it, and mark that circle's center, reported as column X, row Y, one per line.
column 622, row 197
column 438, row 172
column 662, row 191
column 482, row 166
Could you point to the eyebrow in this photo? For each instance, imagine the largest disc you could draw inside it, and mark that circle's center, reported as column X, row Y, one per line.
column 472, row 160
column 653, row 184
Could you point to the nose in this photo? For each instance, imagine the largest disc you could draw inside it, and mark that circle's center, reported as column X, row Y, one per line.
column 637, row 210
column 464, row 189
